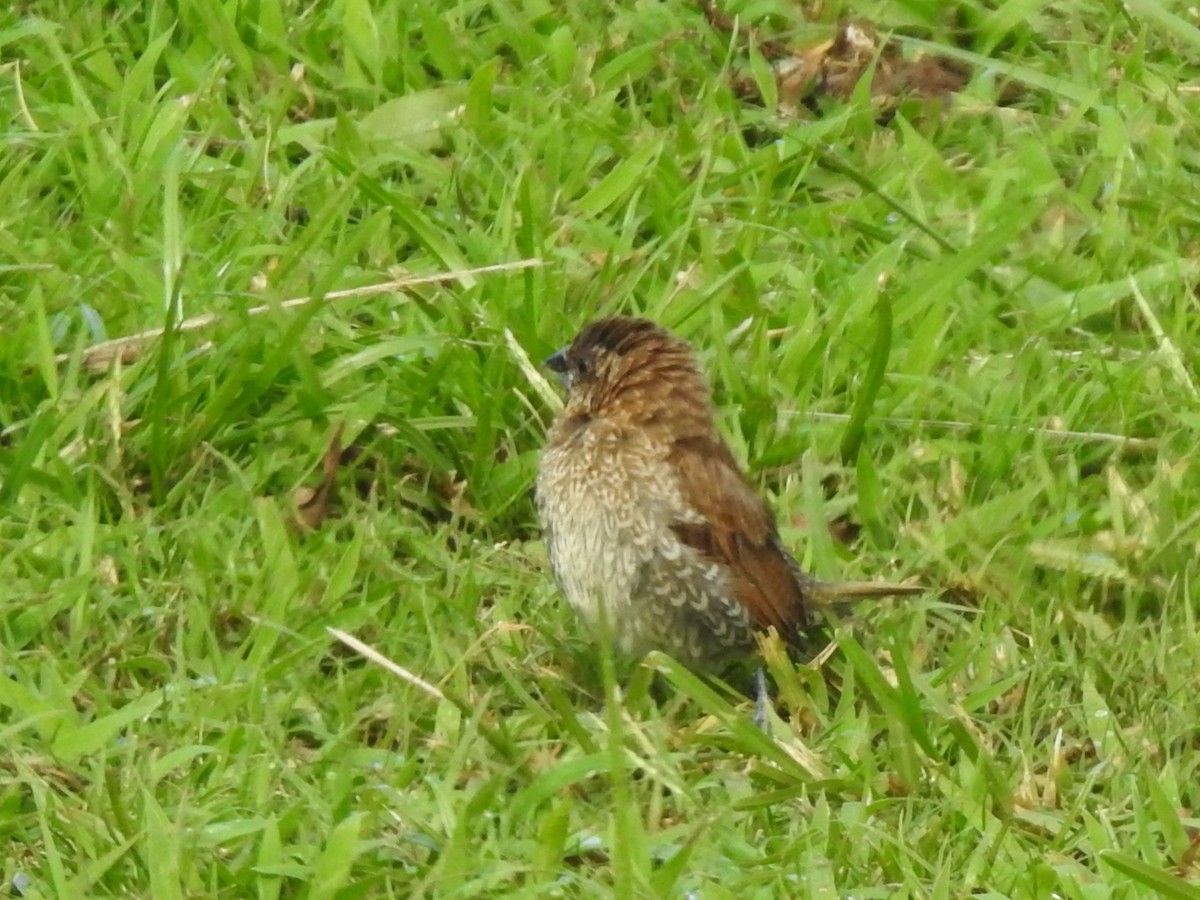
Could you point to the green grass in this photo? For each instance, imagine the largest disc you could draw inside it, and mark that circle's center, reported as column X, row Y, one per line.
column 175, row 718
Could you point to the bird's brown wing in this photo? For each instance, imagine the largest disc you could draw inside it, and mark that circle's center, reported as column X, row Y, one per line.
column 736, row 528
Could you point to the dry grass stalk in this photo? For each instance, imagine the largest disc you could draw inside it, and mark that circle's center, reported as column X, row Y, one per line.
column 98, row 357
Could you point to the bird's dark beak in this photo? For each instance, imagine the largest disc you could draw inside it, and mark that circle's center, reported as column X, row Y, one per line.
column 557, row 363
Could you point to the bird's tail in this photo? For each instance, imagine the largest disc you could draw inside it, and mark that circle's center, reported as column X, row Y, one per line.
column 845, row 593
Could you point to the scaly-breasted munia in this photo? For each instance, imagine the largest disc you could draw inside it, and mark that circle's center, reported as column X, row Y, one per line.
column 649, row 517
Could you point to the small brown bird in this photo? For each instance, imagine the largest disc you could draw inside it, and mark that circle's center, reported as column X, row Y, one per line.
column 649, row 517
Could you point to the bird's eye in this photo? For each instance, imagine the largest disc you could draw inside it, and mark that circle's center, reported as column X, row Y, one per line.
column 583, row 367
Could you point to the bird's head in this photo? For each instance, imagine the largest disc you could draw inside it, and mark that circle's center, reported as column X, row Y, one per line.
column 628, row 368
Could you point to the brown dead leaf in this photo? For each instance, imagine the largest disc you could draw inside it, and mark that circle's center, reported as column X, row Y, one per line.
column 1191, row 856
column 311, row 505
column 834, row 68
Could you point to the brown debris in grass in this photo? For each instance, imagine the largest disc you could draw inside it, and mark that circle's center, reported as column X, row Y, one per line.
column 311, row 504
column 834, row 67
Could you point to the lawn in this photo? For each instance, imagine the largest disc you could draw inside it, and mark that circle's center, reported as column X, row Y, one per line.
column 954, row 340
